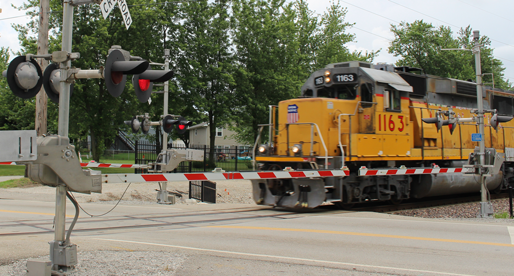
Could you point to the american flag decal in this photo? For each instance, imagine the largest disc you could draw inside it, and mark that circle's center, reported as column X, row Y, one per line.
column 292, row 114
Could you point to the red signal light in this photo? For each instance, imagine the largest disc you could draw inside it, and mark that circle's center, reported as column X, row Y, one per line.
column 181, row 126
column 116, row 77
column 144, row 84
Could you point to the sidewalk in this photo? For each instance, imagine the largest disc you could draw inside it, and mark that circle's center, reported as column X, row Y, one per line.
column 9, row 177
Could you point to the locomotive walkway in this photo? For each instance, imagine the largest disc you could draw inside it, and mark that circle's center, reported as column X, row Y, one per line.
column 230, row 239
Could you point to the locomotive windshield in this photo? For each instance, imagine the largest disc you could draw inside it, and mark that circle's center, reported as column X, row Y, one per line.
column 345, row 92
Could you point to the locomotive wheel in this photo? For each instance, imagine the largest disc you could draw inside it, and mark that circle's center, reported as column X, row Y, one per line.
column 394, row 198
column 345, row 204
column 395, row 201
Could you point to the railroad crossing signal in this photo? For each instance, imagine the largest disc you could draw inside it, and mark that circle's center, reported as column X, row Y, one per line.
column 182, row 125
column 495, row 120
column 52, row 82
column 106, row 6
column 437, row 120
column 452, row 124
column 117, row 69
column 143, row 83
column 167, row 123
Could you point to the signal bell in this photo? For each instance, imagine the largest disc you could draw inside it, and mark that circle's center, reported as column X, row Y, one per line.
column 24, row 77
column 143, row 83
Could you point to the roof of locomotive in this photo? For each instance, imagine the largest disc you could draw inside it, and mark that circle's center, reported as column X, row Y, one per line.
column 378, row 75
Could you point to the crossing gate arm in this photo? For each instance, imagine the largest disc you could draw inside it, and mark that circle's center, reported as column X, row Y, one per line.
column 171, row 177
column 363, row 171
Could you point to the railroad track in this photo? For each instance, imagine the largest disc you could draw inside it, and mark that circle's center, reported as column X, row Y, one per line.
column 425, row 203
column 152, row 221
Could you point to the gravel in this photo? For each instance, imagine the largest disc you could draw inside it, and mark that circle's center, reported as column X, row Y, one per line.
column 112, row 263
column 465, row 211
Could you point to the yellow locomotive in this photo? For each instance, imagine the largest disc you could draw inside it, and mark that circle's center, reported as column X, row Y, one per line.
column 359, row 116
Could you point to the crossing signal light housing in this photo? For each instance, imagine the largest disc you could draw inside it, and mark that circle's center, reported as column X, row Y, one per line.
column 167, row 123
column 495, row 120
column 182, row 125
column 25, row 78
column 117, row 69
column 52, row 82
column 437, row 120
column 452, row 125
column 143, row 83
column 134, row 124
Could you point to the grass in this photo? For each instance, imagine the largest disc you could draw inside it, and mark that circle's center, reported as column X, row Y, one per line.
column 7, row 170
column 18, row 183
column 504, row 215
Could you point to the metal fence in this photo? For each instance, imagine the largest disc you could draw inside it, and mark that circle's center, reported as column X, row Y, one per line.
column 144, row 153
column 204, row 191
column 231, row 159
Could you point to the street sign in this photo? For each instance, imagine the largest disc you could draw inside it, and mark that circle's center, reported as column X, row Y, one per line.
column 127, row 19
column 476, row 137
column 107, row 6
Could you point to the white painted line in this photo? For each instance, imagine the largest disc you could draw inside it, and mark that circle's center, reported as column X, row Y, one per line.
column 511, row 233
column 285, row 258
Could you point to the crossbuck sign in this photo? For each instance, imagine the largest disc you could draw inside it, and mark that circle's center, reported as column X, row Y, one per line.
column 108, row 5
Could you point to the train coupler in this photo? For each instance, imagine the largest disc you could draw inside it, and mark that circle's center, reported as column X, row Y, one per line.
column 303, row 200
column 262, row 194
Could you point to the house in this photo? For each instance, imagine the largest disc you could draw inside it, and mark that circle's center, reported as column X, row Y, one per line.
column 224, row 141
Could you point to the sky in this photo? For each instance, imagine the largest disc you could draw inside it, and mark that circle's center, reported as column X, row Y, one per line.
column 373, row 19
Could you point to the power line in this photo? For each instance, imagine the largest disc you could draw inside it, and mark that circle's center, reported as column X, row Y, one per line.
column 485, row 10
column 388, row 39
column 444, row 21
column 370, row 11
column 7, row 18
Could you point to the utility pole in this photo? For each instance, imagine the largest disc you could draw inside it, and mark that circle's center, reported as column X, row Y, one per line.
column 162, row 194
column 42, row 49
column 486, row 208
column 59, row 245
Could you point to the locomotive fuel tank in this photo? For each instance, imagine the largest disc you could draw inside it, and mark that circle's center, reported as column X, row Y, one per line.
column 451, row 184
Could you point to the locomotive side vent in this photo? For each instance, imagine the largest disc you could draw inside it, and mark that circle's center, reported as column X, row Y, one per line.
column 350, row 64
column 466, row 88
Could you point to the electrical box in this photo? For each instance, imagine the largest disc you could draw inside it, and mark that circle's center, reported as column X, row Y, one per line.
column 18, row 145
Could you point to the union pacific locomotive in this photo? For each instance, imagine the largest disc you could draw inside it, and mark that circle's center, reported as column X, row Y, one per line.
column 359, row 116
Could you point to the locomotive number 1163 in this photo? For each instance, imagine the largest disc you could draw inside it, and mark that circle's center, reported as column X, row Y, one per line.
column 391, row 122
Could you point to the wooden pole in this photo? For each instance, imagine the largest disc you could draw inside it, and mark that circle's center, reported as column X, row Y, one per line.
column 42, row 49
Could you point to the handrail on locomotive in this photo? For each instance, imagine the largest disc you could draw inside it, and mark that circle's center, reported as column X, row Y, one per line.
column 350, row 129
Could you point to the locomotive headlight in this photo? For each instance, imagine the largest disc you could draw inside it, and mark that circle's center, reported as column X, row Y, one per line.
column 327, row 79
column 263, row 149
column 327, row 73
column 296, row 149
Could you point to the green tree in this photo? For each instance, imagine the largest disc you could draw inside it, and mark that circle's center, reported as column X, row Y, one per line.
column 205, row 65
column 93, row 111
column 419, row 44
column 332, row 37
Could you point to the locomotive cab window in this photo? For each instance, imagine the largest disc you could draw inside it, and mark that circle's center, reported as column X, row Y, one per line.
column 366, row 94
column 392, row 100
column 344, row 92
